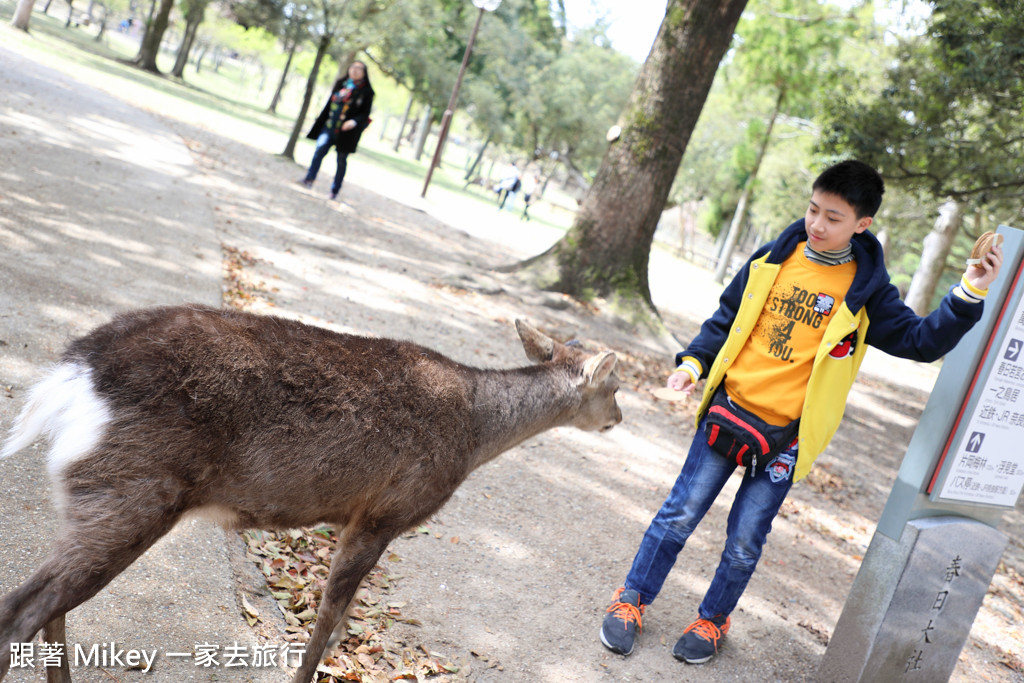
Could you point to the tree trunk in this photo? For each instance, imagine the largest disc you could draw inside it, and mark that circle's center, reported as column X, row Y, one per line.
column 205, row 47
column 479, row 157
column 934, row 251
column 284, row 77
column 293, row 139
column 883, row 239
column 151, row 13
column 422, row 133
column 150, row 47
column 22, row 14
column 740, row 215
column 188, row 38
column 46, row 7
column 405, row 120
column 71, row 12
column 607, row 249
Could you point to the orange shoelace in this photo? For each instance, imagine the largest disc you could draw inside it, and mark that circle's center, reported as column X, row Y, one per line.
column 708, row 631
column 626, row 612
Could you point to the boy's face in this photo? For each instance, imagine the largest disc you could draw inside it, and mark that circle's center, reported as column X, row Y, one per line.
column 831, row 222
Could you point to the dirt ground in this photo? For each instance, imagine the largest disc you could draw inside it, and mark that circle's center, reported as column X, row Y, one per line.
column 510, row 580
column 515, row 572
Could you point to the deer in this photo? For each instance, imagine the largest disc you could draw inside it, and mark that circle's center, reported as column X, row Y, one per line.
column 263, row 422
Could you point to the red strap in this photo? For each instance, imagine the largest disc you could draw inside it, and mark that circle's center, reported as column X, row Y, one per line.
column 718, row 410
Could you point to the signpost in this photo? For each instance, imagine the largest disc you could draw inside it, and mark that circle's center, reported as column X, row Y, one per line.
column 987, row 463
column 937, row 545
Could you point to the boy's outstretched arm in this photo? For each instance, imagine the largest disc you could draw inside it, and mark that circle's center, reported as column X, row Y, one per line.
column 902, row 333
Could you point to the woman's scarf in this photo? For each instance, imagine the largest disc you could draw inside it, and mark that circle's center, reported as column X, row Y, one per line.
column 340, row 101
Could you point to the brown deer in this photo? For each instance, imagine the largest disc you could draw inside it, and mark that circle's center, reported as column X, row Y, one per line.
column 265, row 422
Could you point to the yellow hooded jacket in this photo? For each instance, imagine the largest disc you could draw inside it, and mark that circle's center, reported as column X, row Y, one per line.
column 872, row 313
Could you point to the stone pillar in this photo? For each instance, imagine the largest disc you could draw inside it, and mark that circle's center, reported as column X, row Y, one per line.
column 911, row 607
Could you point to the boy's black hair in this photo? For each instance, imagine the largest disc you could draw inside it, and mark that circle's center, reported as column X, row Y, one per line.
column 856, row 182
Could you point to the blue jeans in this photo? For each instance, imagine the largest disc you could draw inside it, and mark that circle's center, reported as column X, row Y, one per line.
column 701, row 480
column 323, row 146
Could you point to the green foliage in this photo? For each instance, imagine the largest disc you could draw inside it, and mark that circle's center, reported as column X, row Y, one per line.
column 571, row 102
column 786, row 46
column 947, row 119
column 787, row 53
column 944, row 122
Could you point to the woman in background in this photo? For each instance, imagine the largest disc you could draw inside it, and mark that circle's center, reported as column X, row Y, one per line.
column 340, row 124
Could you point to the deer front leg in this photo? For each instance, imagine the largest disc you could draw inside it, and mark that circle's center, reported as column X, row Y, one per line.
column 352, row 561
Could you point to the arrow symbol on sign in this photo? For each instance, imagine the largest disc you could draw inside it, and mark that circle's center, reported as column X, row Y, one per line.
column 974, row 443
column 1013, row 349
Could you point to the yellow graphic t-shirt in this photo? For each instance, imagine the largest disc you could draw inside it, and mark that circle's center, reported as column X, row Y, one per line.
column 770, row 374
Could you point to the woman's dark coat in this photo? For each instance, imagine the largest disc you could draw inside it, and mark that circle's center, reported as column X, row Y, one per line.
column 358, row 110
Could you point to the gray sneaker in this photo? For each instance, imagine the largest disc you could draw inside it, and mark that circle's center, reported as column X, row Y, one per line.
column 700, row 640
column 623, row 622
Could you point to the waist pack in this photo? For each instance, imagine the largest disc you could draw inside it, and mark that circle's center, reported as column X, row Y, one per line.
column 741, row 436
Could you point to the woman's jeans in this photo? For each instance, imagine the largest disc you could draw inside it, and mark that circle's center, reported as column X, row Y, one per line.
column 323, row 146
column 755, row 506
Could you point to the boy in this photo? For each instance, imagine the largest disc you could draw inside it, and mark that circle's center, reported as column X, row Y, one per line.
column 785, row 344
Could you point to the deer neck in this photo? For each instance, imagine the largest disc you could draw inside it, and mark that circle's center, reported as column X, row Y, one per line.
column 510, row 406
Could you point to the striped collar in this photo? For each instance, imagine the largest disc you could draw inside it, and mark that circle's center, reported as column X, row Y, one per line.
column 829, row 258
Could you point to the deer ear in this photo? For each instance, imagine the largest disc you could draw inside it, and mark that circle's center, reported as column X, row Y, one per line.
column 539, row 347
column 597, row 368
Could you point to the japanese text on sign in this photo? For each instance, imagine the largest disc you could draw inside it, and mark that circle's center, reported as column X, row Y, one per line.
column 988, row 463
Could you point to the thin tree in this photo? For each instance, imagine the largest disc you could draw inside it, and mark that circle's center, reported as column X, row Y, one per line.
column 289, row 21
column 195, row 12
column 22, row 14
column 607, row 249
column 787, row 49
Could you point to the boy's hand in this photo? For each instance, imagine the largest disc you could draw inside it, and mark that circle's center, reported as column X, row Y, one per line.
column 680, row 381
column 985, row 273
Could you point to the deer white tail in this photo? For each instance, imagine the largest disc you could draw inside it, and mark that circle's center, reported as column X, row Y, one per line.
column 65, row 406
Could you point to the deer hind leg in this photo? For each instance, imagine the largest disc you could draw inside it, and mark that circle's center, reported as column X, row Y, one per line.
column 355, row 558
column 96, row 543
column 55, row 632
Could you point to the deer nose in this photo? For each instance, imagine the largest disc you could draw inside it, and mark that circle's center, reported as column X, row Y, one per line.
column 617, row 420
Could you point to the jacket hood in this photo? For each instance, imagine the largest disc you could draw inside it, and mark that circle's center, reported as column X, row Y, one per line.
column 871, row 272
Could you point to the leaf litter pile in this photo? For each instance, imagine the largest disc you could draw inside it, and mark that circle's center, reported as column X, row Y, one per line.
column 296, row 564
